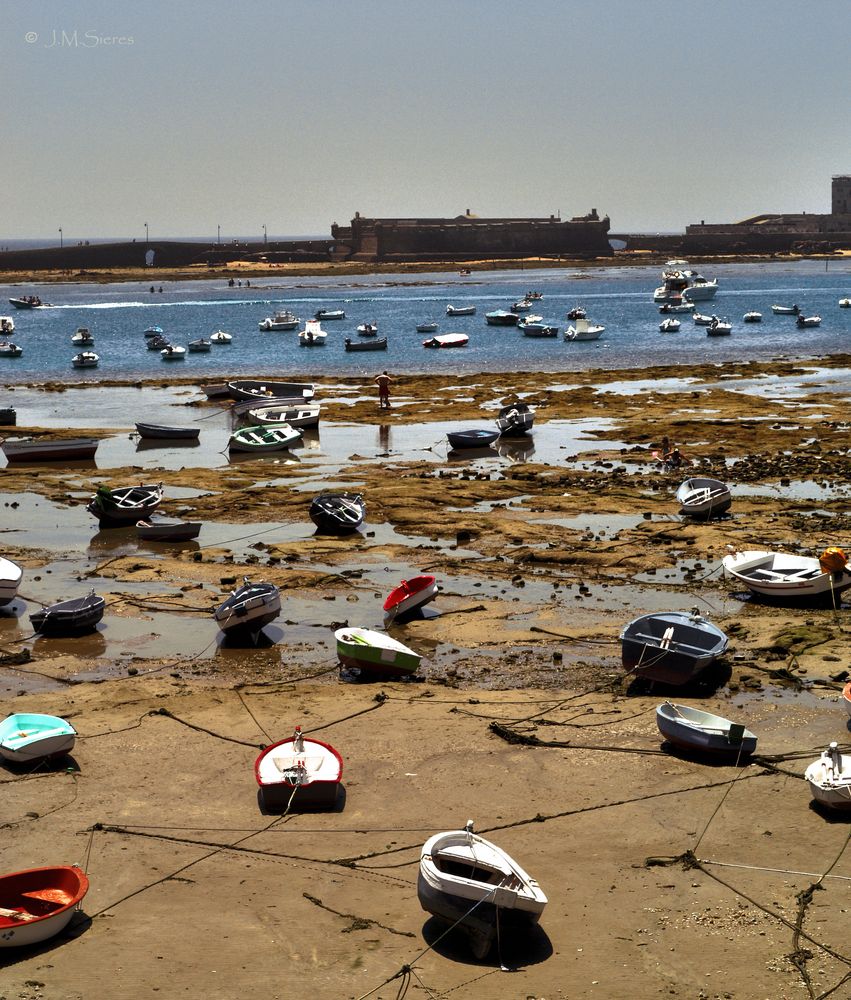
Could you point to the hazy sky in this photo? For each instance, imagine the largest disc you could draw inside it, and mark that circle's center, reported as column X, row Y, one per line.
column 297, row 113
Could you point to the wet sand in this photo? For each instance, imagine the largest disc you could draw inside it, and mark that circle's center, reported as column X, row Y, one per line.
column 543, row 554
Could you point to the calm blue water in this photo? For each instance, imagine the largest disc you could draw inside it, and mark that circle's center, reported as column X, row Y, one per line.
column 619, row 298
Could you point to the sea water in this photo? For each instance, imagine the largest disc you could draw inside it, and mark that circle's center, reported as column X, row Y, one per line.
column 619, row 298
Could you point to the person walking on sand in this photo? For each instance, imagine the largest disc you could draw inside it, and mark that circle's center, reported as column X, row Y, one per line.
column 383, row 382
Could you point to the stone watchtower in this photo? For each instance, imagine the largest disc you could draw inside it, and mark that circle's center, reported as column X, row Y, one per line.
column 840, row 201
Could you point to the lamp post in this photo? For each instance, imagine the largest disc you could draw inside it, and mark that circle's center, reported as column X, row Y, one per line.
column 146, row 233
column 264, row 234
column 60, row 236
column 218, row 234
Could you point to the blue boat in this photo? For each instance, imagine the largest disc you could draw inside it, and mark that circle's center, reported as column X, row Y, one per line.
column 476, row 438
column 27, row 736
column 670, row 646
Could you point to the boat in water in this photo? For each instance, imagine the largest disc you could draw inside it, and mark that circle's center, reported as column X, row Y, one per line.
column 670, row 646
column 447, row 340
column 283, row 319
column 337, row 513
column 829, row 779
column 476, row 437
column 785, row 577
column 298, row 773
column 50, row 450
column 248, row 609
column 807, row 321
column 472, row 885
column 38, row 903
column 312, row 335
column 173, row 352
column 378, row 344
column 269, row 390
column 410, row 596
column 82, row 338
column 460, row 310
column 167, row 433
column 375, row 653
column 501, row 317
column 584, row 330
column 28, row 302
column 719, row 328
column 29, row 736
column 221, row 337
column 786, row 310
column 321, row 314
column 427, row 327
column 262, row 438
column 693, row 729
column 199, row 346
column 752, row 317
column 73, row 617
column 301, row 415
column 515, row 420
column 85, row 359
column 10, row 350
column 669, row 326
column 165, row 530
column 680, row 282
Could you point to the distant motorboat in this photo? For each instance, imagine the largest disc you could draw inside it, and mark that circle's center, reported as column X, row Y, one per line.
column 200, row 346
column 427, row 327
column 163, row 530
column 845, row 303
column 447, row 340
column 702, row 320
column 681, row 283
column 368, row 330
column 7, row 326
column 752, row 317
column 312, row 335
column 669, row 326
column 538, row 330
column 460, row 310
column 154, row 331
column 829, row 779
column 523, row 305
column 328, row 314
column 378, row 344
column 786, row 310
column 676, row 307
column 804, row 321
column 220, row 337
column 577, row 312
column 28, row 302
column 584, row 330
column 719, row 328
column 10, row 350
column 693, row 729
column 82, row 337
column 85, row 359
column 501, row 317
column 157, row 343
column 173, row 353
column 37, row 903
column 283, row 319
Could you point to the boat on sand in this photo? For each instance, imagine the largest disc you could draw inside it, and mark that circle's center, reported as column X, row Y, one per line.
column 782, row 576
column 409, row 596
column 694, row 729
column 829, row 779
column 670, row 646
column 298, row 773
column 375, row 653
column 29, row 736
column 38, row 903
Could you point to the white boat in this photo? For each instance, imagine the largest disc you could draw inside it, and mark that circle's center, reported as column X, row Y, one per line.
column 375, row 653
column 669, row 326
column 295, row 414
column 7, row 326
column 220, row 337
column 700, row 319
column 283, row 319
column 783, row 576
column 752, row 317
column 85, row 359
column 173, row 353
column 676, row 307
column 584, row 330
column 410, row 596
column 82, row 337
column 703, row 497
column 447, row 340
column 426, row 327
column 786, row 310
column 719, row 328
column 38, row 903
column 248, row 609
column 694, row 729
column 805, row 321
column 10, row 580
column 683, row 283
column 523, row 305
column 460, row 310
column 299, row 773
column 537, row 329
column 368, row 330
column 515, row 420
column 200, row 346
column 10, row 350
column 845, row 303
column 261, row 438
column 312, row 335
column 469, row 882
column 28, row 736
column 829, row 778
column 321, row 314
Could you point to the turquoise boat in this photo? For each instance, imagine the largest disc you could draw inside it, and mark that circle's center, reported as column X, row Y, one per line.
column 27, row 736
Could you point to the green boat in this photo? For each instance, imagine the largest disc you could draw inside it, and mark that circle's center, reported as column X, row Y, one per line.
column 263, row 437
column 375, row 652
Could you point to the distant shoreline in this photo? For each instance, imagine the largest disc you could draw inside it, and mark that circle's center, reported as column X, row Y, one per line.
column 239, row 270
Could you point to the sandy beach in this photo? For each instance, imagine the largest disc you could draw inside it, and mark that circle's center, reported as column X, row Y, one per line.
column 666, row 875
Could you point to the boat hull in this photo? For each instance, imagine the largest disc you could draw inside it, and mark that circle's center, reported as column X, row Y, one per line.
column 374, row 653
column 460, row 440
column 379, row 344
column 131, row 504
column 72, row 617
column 337, row 513
column 410, row 596
column 691, row 729
column 830, row 785
column 266, row 391
column 183, row 531
column 703, row 498
column 49, row 895
column 76, row 449
column 249, row 609
column 670, row 647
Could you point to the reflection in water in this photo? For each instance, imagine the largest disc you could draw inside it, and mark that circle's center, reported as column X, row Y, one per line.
column 516, row 449
column 463, row 454
column 113, row 541
column 147, row 444
column 275, row 458
column 309, row 439
column 92, row 645
column 384, row 437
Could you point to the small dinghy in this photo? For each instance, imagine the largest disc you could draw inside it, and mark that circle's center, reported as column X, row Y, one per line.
column 460, row 310
column 321, row 314
column 10, row 580
column 262, row 438
column 337, row 513
column 703, row 497
column 312, row 335
column 85, row 359
column 829, row 778
column 786, row 310
column 670, row 646
column 38, row 903
column 410, row 596
column 82, row 337
column 368, row 330
column 515, row 420
column 693, row 729
column 845, row 303
column 28, row 736
column 669, row 326
column 248, row 609
column 283, row 319
column 475, row 438
column 173, row 353
column 73, row 617
column 269, row 391
column 786, row 577
column 10, row 350
column 447, row 340
column 154, row 331
column 294, row 414
column 467, row 881
column 157, row 344
column 298, row 773
column 161, row 431
column 752, row 317
column 167, row 531
column 577, row 312
column 200, row 346
column 375, row 653
column 124, row 506
column 702, row 320
column 379, row 344
column 426, row 327
column 539, row 330
column 50, row 450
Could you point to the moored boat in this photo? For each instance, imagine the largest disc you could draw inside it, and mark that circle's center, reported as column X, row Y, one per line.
column 584, row 330
column 368, row 330
column 460, row 310
column 703, row 497
column 28, row 302
column 124, row 505
column 298, row 773
column 321, row 314
column 154, row 331
column 221, row 337
column 337, row 513
column 312, row 335
column 700, row 319
column 694, row 729
column 261, row 438
column 781, row 576
column 50, row 450
column 409, row 596
column 670, row 646
column 378, row 344
column 172, row 352
column 786, row 310
column 85, row 359
column 538, row 329
column 577, row 312
column 719, row 328
column 515, row 420
column 375, row 653
column 72, row 617
column 10, row 350
column 501, row 317
column 829, row 778
column 7, row 326
column 283, row 319
column 10, row 580
column 268, row 390
column 29, row 736
column 447, row 340
column 162, row 431
column 38, row 903
column 474, row 438
column 302, row 415
column 199, row 346
column 248, row 609
column 469, row 883
column 681, row 283
column 157, row 343
column 669, row 326
column 752, row 317
column 427, row 327
column 807, row 321
column 845, row 303
column 81, row 337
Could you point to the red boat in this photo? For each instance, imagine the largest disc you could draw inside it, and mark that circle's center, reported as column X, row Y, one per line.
column 298, row 773
column 37, row 903
column 410, row 595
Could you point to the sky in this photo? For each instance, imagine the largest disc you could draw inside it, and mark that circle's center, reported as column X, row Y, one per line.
column 199, row 116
